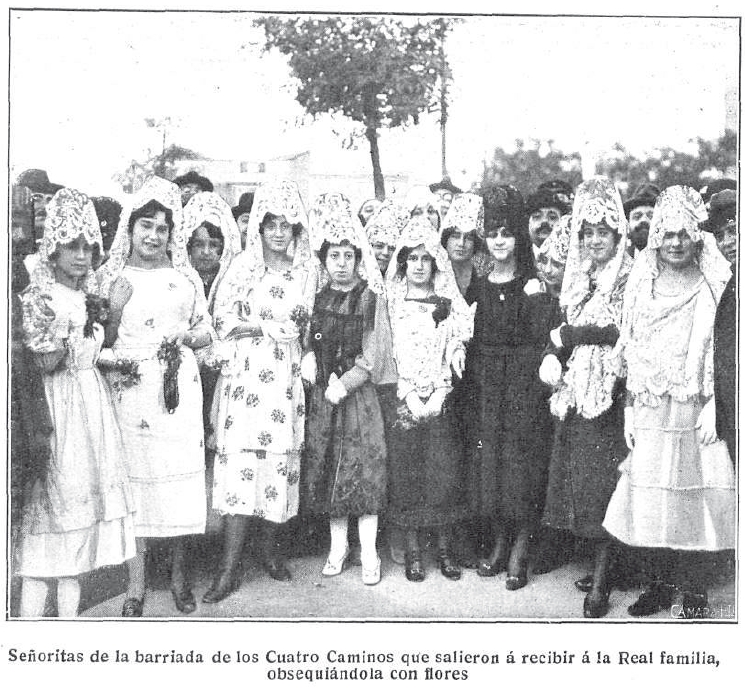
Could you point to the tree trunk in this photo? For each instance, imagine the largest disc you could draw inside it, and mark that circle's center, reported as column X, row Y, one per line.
column 371, row 133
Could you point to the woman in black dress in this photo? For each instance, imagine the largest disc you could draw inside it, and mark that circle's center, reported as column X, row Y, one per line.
column 509, row 424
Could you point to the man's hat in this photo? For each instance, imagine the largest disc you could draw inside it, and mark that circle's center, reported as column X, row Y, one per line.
column 38, row 182
column 192, row 177
column 548, row 198
column 722, row 210
column 245, row 203
column 715, row 186
column 563, row 190
column 445, row 185
column 644, row 194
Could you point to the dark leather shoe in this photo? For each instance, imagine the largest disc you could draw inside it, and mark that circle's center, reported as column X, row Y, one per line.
column 223, row 586
column 414, row 567
column 132, row 607
column 690, row 605
column 658, row 597
column 595, row 607
column 584, row 584
column 489, row 569
column 184, row 600
column 277, row 570
column 519, row 580
column 448, row 567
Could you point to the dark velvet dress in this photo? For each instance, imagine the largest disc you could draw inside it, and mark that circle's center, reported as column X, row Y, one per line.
column 725, row 367
column 426, row 463
column 344, row 463
column 586, row 453
column 508, row 422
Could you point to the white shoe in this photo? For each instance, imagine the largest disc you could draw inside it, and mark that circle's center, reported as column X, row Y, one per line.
column 334, row 568
column 371, row 576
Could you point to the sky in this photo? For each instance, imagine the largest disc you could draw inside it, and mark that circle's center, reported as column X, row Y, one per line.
column 78, row 106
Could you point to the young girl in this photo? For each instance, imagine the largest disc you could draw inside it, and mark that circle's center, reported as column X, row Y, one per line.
column 344, row 467
column 79, row 515
column 430, row 322
column 158, row 317
column 213, row 240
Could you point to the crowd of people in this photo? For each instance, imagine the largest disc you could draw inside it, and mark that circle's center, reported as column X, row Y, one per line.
column 500, row 376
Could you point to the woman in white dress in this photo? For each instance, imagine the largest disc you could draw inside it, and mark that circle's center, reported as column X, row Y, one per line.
column 676, row 494
column 158, row 316
column 79, row 515
column 261, row 312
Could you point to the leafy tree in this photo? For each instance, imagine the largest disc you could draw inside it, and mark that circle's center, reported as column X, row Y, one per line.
column 163, row 164
column 530, row 164
column 667, row 166
column 538, row 161
column 379, row 72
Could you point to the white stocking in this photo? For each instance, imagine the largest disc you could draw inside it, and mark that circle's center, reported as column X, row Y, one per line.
column 339, row 527
column 33, row 597
column 368, row 529
column 68, row 597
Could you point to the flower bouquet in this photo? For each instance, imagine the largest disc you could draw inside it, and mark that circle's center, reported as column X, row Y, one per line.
column 97, row 312
column 169, row 353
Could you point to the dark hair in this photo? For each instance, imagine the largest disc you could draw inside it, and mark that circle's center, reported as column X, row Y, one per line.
column 325, row 246
column 268, row 217
column 478, row 244
column 149, row 210
column 213, row 231
column 402, row 259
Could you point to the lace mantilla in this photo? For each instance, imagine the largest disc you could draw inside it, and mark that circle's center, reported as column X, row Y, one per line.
column 168, row 195
column 331, row 219
column 207, row 206
column 387, row 223
column 467, row 213
column 70, row 215
column 677, row 207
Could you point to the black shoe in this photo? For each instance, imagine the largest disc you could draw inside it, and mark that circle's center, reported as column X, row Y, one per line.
column 519, row 580
column 132, row 607
column 222, row 586
column 184, row 600
column 690, row 605
column 660, row 596
column 595, row 607
column 277, row 569
column 448, row 567
column 489, row 568
column 584, row 584
column 414, row 567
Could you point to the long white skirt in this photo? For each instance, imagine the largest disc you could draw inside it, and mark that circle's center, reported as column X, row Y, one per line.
column 673, row 491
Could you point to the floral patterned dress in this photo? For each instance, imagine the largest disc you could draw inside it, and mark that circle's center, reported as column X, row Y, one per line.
column 259, row 407
column 80, row 517
column 165, row 451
